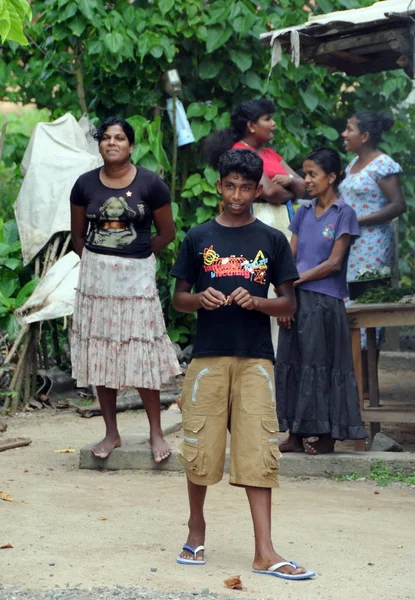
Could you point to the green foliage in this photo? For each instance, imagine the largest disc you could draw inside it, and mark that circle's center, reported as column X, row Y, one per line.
column 9, row 188
column 383, row 294
column 149, row 152
column 15, row 288
column 13, row 13
column 109, row 58
column 382, row 475
column 19, row 128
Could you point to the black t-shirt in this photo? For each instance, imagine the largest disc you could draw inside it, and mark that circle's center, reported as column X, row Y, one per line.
column 252, row 256
column 133, row 205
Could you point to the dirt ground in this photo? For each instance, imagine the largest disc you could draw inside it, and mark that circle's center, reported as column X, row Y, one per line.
column 73, row 528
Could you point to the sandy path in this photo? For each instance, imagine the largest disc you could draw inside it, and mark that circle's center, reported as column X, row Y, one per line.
column 80, row 528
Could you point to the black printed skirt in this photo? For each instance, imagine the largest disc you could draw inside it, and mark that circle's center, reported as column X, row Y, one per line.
column 315, row 381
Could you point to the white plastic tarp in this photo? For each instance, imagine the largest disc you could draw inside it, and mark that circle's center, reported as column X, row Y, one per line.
column 55, row 295
column 57, row 154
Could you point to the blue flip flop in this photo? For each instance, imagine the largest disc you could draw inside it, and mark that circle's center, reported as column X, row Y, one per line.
column 191, row 561
column 273, row 570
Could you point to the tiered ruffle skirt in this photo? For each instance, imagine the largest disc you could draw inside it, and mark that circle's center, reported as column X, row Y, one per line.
column 118, row 336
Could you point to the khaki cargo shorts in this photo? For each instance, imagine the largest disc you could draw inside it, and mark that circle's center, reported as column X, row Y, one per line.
column 238, row 393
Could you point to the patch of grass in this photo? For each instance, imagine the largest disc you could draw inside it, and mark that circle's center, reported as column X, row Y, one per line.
column 382, row 475
column 82, row 401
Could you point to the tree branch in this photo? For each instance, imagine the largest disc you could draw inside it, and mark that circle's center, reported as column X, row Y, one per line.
column 58, row 67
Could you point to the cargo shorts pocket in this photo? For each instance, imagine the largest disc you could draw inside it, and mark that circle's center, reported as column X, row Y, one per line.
column 205, row 389
column 192, row 449
column 271, row 452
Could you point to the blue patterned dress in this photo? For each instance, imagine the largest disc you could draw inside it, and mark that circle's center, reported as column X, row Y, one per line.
column 375, row 247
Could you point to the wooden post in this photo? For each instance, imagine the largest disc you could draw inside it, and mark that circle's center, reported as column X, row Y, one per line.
column 372, row 373
column 360, row 445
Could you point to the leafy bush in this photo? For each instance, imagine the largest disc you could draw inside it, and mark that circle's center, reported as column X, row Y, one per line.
column 16, row 282
column 109, row 58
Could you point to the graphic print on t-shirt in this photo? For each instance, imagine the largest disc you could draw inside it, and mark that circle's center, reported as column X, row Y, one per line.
column 219, row 266
column 329, row 232
column 115, row 209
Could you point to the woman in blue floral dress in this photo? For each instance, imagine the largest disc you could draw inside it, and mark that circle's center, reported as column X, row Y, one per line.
column 373, row 189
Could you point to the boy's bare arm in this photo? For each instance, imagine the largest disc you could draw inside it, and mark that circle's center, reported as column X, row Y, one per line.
column 283, row 306
column 185, row 301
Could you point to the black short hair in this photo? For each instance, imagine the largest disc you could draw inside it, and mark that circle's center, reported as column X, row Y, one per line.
column 245, row 162
column 329, row 160
column 374, row 124
column 108, row 122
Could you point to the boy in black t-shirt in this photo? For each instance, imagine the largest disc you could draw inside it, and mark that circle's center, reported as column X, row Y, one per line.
column 231, row 261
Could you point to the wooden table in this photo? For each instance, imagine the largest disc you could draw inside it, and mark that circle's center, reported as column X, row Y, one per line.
column 372, row 316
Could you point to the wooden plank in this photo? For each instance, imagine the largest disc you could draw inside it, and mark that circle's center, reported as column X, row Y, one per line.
column 348, row 57
column 388, row 415
column 357, row 364
column 381, row 315
column 379, row 319
column 360, row 445
column 372, row 374
column 385, row 62
column 388, row 306
column 354, row 42
column 11, row 443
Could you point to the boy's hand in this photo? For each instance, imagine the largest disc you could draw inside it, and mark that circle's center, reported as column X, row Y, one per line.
column 243, row 298
column 284, row 322
column 211, row 299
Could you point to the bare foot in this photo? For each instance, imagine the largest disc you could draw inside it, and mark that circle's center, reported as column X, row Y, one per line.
column 264, row 563
column 160, row 448
column 324, row 445
column 195, row 538
column 294, row 443
column 103, row 449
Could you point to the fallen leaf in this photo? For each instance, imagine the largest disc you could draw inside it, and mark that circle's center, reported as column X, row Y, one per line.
column 65, row 451
column 26, row 470
column 103, row 518
column 399, row 547
column 6, row 497
column 234, row 583
column 376, row 492
column 6, row 546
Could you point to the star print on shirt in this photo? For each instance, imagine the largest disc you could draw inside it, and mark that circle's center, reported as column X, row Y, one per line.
column 129, row 194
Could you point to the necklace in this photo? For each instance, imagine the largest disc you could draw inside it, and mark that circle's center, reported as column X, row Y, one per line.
column 257, row 150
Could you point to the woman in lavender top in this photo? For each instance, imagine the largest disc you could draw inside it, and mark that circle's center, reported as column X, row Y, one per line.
column 316, row 387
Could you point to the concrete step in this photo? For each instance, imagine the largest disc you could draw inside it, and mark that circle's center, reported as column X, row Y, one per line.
column 136, row 455
column 397, row 361
column 134, row 440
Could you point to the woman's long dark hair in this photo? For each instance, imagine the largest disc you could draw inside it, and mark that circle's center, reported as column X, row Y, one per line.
column 220, row 141
column 374, row 124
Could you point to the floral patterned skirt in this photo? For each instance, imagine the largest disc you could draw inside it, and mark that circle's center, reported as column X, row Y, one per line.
column 118, row 336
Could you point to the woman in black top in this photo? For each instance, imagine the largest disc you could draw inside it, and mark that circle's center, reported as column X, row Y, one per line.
column 119, row 337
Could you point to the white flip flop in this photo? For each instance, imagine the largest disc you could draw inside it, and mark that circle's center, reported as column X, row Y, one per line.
column 273, row 570
column 191, row 561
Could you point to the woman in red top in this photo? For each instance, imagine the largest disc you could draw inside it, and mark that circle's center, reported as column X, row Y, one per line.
column 252, row 126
